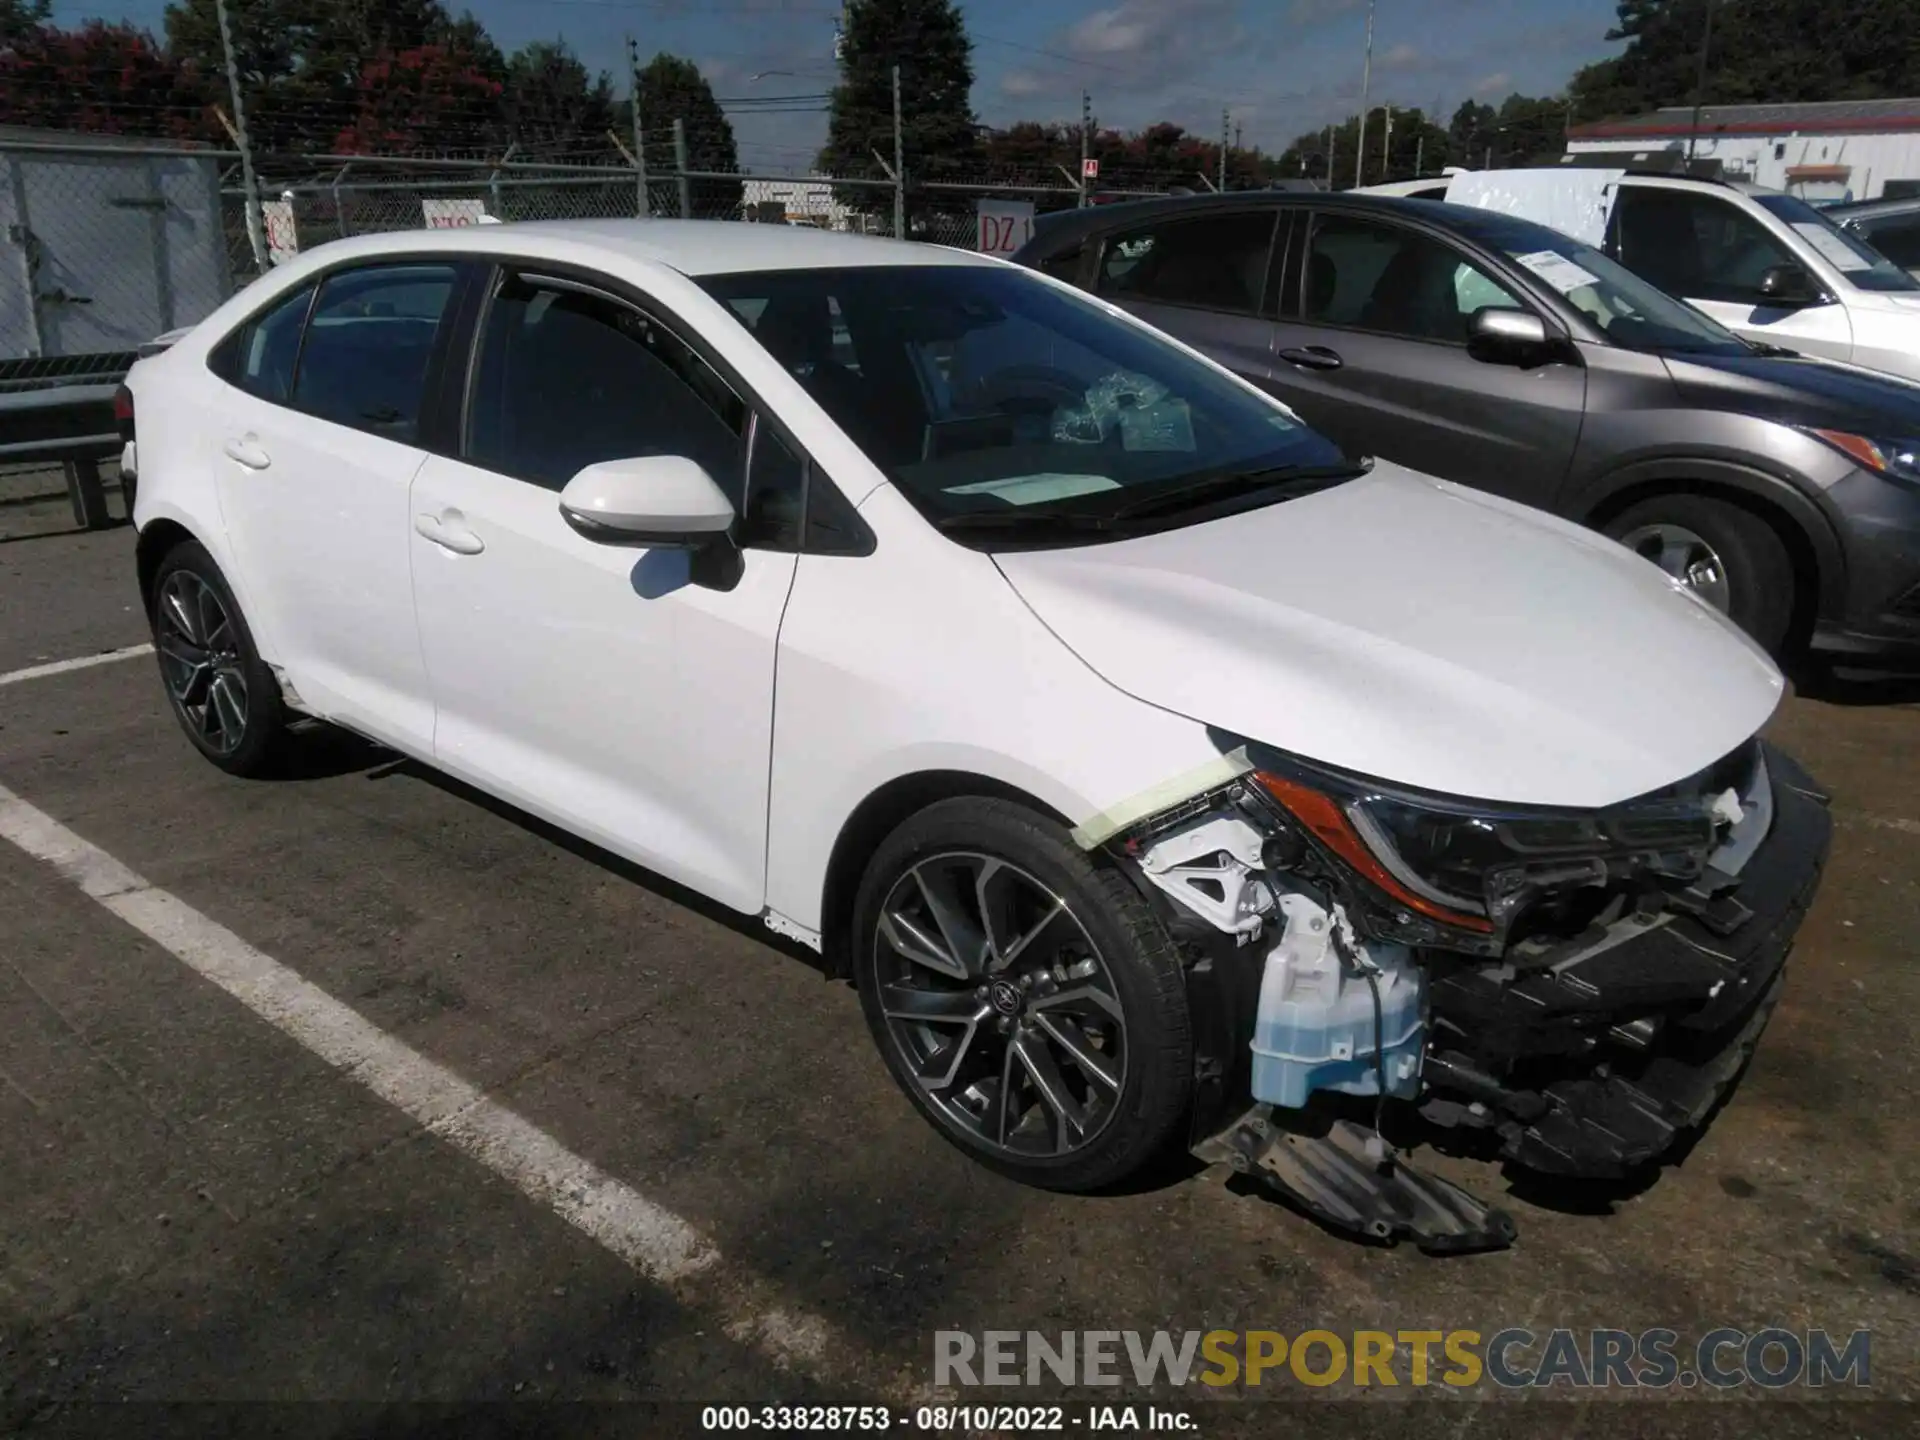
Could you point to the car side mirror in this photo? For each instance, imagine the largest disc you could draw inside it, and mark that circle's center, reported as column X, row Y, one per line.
column 1788, row 285
column 1509, row 337
column 660, row 501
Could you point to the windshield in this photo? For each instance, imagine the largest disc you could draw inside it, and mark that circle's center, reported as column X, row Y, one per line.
column 1628, row 310
column 1858, row 262
column 995, row 400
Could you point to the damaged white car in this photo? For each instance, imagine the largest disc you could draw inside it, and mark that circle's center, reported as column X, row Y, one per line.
column 1160, row 774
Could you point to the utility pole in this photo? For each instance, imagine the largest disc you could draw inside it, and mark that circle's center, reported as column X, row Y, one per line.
column 256, row 223
column 1386, row 150
column 1329, row 158
column 899, row 166
column 639, row 131
column 1700, row 82
column 1420, row 155
column 1366, row 84
column 680, row 164
column 1086, row 142
column 1226, row 120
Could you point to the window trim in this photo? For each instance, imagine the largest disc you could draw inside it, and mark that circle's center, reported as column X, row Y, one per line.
column 493, row 269
column 1497, row 273
column 1260, row 310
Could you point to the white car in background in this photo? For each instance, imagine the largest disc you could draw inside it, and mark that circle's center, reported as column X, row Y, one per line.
column 1765, row 264
column 1158, row 773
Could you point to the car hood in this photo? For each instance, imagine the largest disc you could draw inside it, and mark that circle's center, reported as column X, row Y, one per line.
column 1800, row 391
column 1410, row 630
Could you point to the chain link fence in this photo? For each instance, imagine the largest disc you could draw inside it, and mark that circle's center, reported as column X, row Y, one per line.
column 112, row 243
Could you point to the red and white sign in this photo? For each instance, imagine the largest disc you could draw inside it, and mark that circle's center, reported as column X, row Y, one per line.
column 1090, row 169
column 1005, row 225
column 453, row 214
column 283, row 238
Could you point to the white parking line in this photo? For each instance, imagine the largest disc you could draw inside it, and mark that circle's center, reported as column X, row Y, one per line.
column 84, row 662
column 654, row 1241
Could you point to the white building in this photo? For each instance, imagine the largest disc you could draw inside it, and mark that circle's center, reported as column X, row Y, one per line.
column 803, row 202
column 1824, row 152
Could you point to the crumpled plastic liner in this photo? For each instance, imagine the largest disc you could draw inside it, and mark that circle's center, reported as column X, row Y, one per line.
column 1146, row 415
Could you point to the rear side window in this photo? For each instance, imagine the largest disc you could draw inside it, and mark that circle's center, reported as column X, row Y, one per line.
column 1218, row 262
column 368, row 345
column 1065, row 265
column 568, row 379
column 259, row 357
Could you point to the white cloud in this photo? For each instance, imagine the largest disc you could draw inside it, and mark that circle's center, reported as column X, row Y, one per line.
column 1494, row 84
column 1401, row 57
column 1018, row 84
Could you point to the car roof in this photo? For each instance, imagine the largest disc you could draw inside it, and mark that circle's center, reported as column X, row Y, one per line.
column 691, row 247
column 1487, row 227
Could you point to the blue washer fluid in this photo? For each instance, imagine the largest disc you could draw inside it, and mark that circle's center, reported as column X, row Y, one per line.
column 1314, row 1029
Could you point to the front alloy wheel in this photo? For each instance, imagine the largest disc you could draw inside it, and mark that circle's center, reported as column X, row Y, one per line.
column 1024, row 995
column 1000, row 1005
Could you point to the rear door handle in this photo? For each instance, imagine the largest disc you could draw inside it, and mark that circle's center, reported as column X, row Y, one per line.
column 1313, row 357
column 247, row 452
column 449, row 533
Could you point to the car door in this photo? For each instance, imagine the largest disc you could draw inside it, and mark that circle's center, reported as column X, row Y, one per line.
column 601, row 686
column 1372, row 352
column 1202, row 279
column 1712, row 252
column 318, row 444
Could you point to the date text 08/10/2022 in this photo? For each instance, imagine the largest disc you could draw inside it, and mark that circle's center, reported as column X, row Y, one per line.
column 945, row 1419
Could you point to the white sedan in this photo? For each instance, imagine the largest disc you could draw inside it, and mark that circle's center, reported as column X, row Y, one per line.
column 1158, row 772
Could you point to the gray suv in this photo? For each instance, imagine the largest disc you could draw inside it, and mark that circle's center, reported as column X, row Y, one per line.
column 1495, row 352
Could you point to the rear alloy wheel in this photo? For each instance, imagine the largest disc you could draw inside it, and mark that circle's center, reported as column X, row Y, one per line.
column 1025, row 998
column 222, row 694
column 1728, row 556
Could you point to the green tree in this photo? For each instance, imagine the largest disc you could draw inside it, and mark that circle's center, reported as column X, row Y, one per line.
column 927, row 40
column 308, row 68
column 551, row 106
column 674, row 89
column 1762, row 50
column 20, row 18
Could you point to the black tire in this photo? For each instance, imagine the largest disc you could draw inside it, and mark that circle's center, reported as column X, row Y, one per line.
column 1136, row 969
column 1760, row 581
column 251, row 747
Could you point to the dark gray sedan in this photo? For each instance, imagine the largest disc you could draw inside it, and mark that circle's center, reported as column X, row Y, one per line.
column 1498, row 353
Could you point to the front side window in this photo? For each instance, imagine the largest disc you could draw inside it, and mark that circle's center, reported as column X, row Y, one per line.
column 567, row 379
column 368, row 345
column 259, row 357
column 1867, row 267
column 1625, row 308
column 1698, row 247
column 988, row 395
column 1370, row 276
column 1218, row 262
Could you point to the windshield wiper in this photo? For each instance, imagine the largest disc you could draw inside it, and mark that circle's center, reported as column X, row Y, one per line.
column 1023, row 520
column 1767, row 351
column 1222, row 487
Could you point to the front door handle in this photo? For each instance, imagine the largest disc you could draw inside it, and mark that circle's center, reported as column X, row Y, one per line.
column 449, row 533
column 1313, row 357
column 246, row 451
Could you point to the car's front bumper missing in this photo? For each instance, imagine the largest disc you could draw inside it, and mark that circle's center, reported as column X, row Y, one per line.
column 1600, row 1060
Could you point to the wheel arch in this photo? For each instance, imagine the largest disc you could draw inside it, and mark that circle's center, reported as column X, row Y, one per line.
column 875, row 818
column 1812, row 544
column 157, row 539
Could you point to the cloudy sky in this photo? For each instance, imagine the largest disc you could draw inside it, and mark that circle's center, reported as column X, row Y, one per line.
column 1280, row 66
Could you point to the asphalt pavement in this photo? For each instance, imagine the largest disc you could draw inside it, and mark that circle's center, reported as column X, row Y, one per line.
column 200, row 1202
